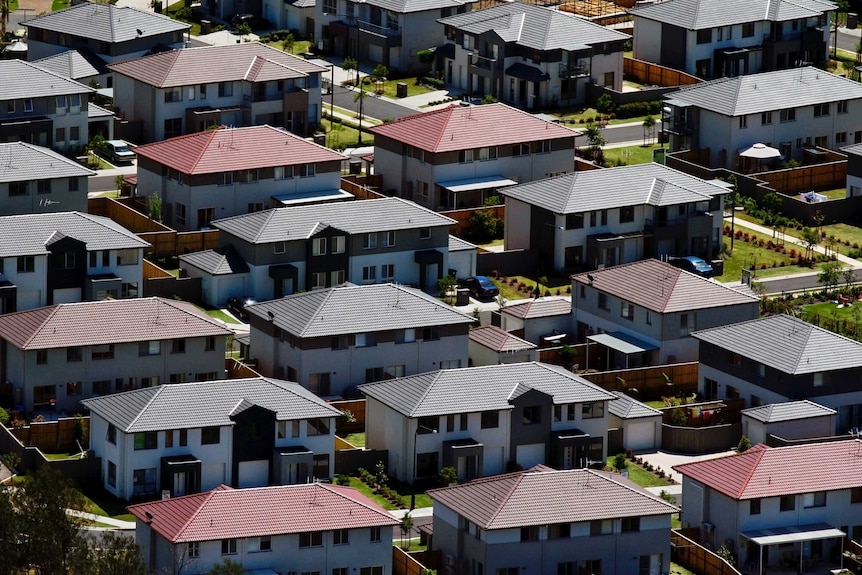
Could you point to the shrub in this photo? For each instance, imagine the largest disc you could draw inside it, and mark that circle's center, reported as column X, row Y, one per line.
column 620, row 461
column 634, row 109
column 433, row 82
column 605, row 104
column 743, row 445
column 342, row 479
column 678, row 417
column 4, row 417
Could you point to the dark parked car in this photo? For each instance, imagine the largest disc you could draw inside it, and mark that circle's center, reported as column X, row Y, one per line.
column 694, row 265
column 480, row 286
column 236, row 306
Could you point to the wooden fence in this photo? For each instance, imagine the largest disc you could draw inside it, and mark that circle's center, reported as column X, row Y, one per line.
column 462, row 217
column 363, row 187
column 655, row 75
column 124, row 211
column 55, row 436
column 151, row 270
column 357, row 408
column 650, row 382
column 404, row 563
column 238, row 370
column 691, row 555
column 817, row 177
column 170, row 243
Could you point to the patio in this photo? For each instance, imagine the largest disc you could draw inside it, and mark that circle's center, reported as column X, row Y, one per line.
column 794, row 549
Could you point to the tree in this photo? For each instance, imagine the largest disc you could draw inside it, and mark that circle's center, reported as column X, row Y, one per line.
column 406, row 527
column 119, row 181
column 445, row 285
column 849, row 277
column 155, row 207
column 605, row 104
column 360, row 97
column 830, row 275
column 743, row 445
column 227, row 567
column 620, row 461
column 811, row 238
column 4, row 18
column 349, row 64
column 649, row 130
column 242, row 29
column 489, row 99
column 288, row 42
column 734, row 198
column 771, row 202
column 116, row 554
column 595, row 141
column 380, row 73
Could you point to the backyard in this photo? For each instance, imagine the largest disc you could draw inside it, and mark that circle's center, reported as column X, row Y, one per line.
column 340, row 136
column 630, row 155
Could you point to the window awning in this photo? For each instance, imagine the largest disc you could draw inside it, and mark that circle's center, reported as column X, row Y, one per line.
column 295, row 198
column 472, row 184
column 622, row 342
column 792, row 534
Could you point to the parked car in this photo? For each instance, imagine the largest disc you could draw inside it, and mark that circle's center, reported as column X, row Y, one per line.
column 119, row 151
column 236, row 306
column 253, row 22
column 693, row 264
column 480, row 286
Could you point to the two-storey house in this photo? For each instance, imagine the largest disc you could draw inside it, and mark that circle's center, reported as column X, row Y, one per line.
column 37, row 180
column 541, row 320
column 282, row 251
column 381, row 31
column 192, row 437
column 775, row 506
column 546, row 522
column 654, row 211
column 530, row 56
column 230, row 171
column 113, row 33
column 712, row 39
column 782, row 358
column 59, row 257
column 330, row 340
column 791, row 110
column 484, row 420
column 644, row 313
column 186, row 91
column 456, row 157
column 58, row 355
column 286, row 529
column 42, row 108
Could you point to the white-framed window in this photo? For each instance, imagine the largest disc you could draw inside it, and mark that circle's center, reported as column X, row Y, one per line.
column 369, row 241
column 387, row 272
column 627, row 310
column 260, row 544
column 336, row 277
column 338, row 244
column 318, row 280
column 228, row 546
column 173, row 95
column 61, row 104
column 387, row 239
column 248, row 176
column 28, row 104
column 842, row 107
column 305, row 170
column 226, row 179
column 488, row 153
column 283, row 172
column 278, row 248
column 369, row 274
column 366, row 339
column 318, row 246
column 425, row 233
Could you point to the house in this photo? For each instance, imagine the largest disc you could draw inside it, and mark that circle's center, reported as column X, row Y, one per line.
column 775, row 506
column 530, row 56
column 457, row 157
column 546, row 522
column 462, row 257
column 791, row 110
column 38, row 180
column 490, row 345
column 854, row 169
column 654, row 211
column 789, row 420
column 232, row 171
column 187, row 91
column 747, row 361
column 383, row 32
column 644, row 313
column 58, row 355
column 332, row 339
column 80, row 65
column 286, row 250
column 291, row 15
column 542, row 320
column 639, row 423
column 42, row 108
column 113, row 33
column 286, row 529
column 485, row 420
column 59, row 257
column 712, row 39
column 192, row 437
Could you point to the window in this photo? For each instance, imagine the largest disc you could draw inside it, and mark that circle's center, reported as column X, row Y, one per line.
column 821, row 109
column 787, row 503
column 627, row 214
column 649, row 317
column 820, row 141
column 127, row 257
column 60, row 102
column 704, row 36
column 840, row 138
column 228, row 546
column 627, row 310
column 111, row 436
column 427, row 425
column 369, row 241
column 339, row 342
column 592, row 410
column 18, row 189
column 369, row 274
column 105, row 351
column 341, row 537
column 330, row 6
column 490, row 419
column 73, row 184
column 395, row 370
column 173, row 95
column 375, row 570
column 601, row 527
column 283, row 172
column 787, row 115
column 748, row 30
column 28, row 105
column 387, row 239
column 259, row 544
column 305, row 170
column 194, row 549
column 146, row 440
column 375, row 535
column 465, row 156
column 144, row 481
column 603, row 302
column 373, row 374
column 530, row 533
column 112, row 474
column 173, row 127
column 178, row 345
column 180, row 214
column 225, row 89
column 687, row 323
column 318, row 247
column 734, row 359
column 338, row 243
column 366, row 340
column 320, row 466
column 766, row 118
column 102, row 387
column 129, row 289
column 149, row 348
column 248, row 176
column 841, row 107
column 41, row 356
column 856, row 495
column 521, row 150
column 488, row 153
column 73, row 388
column 26, row 264
column 210, row 343
column 743, row 122
column 318, row 383
column 817, row 499
column 226, row 179
column 255, row 207
column 754, row 507
column 317, row 426
column 532, row 414
column 169, row 438
column 559, row 531
column 210, row 435
column 387, row 272
column 574, row 221
column 431, row 333
column 630, row 524
column 278, row 248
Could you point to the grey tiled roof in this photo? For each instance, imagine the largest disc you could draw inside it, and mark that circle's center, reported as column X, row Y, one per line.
column 635, row 185
column 663, row 288
column 787, row 411
column 855, row 149
column 22, row 162
column 357, row 309
column 534, row 27
column 627, row 407
column 700, row 14
column 769, row 91
column 204, row 404
column 405, row 6
column 787, row 344
column 25, row 80
column 73, row 64
column 539, row 307
column 499, row 340
column 545, row 497
column 485, row 388
column 220, row 261
column 456, row 244
column 27, row 234
column 357, row 217
column 106, row 22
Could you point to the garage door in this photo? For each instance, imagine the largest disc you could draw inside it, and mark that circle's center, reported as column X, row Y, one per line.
column 253, row 473
column 640, row 435
column 530, row 455
column 67, row 295
column 28, row 299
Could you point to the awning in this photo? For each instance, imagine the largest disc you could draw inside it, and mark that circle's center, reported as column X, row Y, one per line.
column 528, row 73
column 622, row 342
column 472, row 184
column 294, row 198
column 792, row 534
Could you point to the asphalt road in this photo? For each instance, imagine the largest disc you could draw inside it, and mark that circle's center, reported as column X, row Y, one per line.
column 847, row 39
column 798, row 283
column 619, row 134
column 373, row 107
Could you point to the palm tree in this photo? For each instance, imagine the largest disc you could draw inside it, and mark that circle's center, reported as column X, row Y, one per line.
column 360, row 96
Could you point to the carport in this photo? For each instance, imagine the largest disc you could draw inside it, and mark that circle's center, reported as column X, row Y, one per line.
column 623, row 343
column 792, row 535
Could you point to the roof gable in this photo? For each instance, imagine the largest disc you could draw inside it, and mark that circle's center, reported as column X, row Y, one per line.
column 26, row 80
column 701, row 14
column 23, row 162
column 106, row 22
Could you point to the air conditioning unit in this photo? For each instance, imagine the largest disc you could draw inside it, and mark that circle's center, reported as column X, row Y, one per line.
column 708, row 527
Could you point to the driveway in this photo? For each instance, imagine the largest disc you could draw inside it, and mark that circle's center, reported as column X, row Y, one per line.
column 666, row 460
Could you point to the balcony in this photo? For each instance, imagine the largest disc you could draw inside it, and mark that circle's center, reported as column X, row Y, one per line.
column 371, row 28
column 678, row 128
column 573, row 71
column 483, row 62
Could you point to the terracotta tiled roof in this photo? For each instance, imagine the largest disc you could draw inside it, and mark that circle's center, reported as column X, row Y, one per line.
column 539, row 307
column 225, row 513
column 251, row 61
column 104, row 322
column 544, row 496
column 497, row 339
column 230, row 149
column 461, row 128
column 764, row 471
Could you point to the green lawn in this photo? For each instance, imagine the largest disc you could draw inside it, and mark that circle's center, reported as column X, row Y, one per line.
column 59, row 5
column 355, row 439
column 299, row 46
column 748, row 255
column 554, row 283
column 844, row 232
column 13, row 5
column 340, row 136
column 508, row 292
column 422, row 500
column 56, row 456
column 225, row 317
column 390, row 87
column 831, row 310
column 640, row 475
column 630, row 155
column 100, row 502
column 591, row 113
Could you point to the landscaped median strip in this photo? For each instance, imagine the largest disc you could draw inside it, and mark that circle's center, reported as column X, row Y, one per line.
column 348, row 117
column 115, row 523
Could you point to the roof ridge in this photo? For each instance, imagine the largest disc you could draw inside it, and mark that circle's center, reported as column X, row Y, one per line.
column 759, row 456
column 434, row 381
column 334, row 491
column 38, row 330
column 642, row 491
column 448, row 119
column 58, row 76
column 327, row 294
column 207, row 498
column 205, row 148
column 669, row 293
column 517, row 483
column 156, row 393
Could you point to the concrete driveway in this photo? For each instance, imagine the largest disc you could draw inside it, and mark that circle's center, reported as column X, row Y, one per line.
column 666, row 460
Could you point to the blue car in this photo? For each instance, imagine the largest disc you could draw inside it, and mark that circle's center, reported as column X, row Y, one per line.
column 480, row 287
column 693, row 264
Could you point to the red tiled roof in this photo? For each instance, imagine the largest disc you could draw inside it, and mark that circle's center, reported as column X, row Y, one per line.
column 764, row 471
column 105, row 322
column 461, row 128
column 539, row 307
column 499, row 340
column 230, row 149
column 226, row 513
